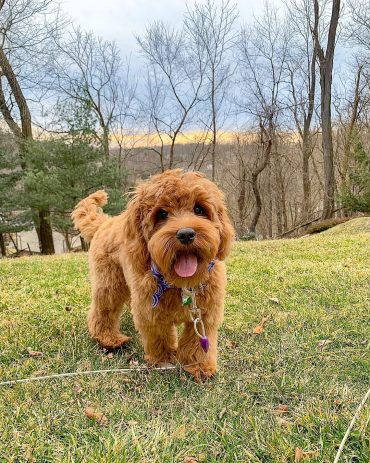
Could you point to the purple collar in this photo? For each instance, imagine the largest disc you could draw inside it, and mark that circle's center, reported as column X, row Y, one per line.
column 162, row 284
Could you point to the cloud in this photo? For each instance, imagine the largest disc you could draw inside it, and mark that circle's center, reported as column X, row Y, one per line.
column 121, row 20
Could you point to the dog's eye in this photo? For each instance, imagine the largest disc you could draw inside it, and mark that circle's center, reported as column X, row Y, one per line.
column 161, row 214
column 199, row 210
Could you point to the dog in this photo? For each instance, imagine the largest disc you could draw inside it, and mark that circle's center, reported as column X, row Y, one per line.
column 164, row 257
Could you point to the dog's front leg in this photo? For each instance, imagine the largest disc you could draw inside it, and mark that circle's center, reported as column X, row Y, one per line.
column 159, row 341
column 191, row 354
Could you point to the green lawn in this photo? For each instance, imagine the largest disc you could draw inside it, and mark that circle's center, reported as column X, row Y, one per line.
column 312, row 289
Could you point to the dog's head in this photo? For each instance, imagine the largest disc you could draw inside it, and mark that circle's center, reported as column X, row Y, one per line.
column 179, row 221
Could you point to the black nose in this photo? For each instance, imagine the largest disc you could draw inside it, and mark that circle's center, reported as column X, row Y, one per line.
column 185, row 235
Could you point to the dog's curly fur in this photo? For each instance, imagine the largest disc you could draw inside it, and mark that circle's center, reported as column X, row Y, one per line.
column 122, row 249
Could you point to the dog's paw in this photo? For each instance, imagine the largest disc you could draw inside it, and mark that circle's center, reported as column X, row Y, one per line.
column 113, row 342
column 201, row 372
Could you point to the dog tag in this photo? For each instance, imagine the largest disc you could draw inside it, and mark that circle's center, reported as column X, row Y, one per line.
column 204, row 342
column 186, row 300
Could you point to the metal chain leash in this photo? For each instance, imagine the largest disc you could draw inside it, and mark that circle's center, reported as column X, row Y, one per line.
column 189, row 299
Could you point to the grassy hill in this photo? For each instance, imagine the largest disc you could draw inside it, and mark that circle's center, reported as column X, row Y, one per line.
column 295, row 385
column 352, row 227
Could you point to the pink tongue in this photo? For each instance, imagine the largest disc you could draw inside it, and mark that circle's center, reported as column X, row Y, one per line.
column 186, row 266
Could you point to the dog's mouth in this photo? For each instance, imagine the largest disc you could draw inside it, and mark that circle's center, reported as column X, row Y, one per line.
column 185, row 265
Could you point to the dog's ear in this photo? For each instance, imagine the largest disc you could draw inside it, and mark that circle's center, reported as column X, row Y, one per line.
column 226, row 232
column 136, row 243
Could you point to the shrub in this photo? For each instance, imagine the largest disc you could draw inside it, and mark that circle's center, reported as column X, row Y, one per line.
column 249, row 236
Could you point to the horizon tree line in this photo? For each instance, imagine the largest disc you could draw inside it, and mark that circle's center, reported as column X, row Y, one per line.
column 300, row 137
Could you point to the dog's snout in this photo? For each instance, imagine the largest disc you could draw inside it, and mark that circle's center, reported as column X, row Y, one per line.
column 185, row 235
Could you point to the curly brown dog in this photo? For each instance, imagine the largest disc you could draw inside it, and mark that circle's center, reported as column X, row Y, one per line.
column 174, row 235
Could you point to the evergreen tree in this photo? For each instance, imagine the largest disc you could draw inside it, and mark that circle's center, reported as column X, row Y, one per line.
column 60, row 172
column 13, row 216
column 355, row 196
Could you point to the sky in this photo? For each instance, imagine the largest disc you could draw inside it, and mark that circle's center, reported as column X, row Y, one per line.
column 121, row 20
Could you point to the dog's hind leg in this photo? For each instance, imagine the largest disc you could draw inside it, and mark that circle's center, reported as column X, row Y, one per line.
column 109, row 293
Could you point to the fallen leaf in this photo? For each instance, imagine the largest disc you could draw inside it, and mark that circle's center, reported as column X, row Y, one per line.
column 34, row 353
column 281, row 409
column 93, row 414
column 191, row 460
column 307, row 455
column 323, row 343
column 258, row 329
column 275, row 300
column 298, row 455
column 337, row 402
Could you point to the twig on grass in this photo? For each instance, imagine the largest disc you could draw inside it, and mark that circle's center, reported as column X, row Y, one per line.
column 81, row 373
column 355, row 416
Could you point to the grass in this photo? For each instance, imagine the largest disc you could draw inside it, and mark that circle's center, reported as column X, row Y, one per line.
column 354, row 226
column 313, row 289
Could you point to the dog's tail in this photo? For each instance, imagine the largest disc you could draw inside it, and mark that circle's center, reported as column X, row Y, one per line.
column 87, row 216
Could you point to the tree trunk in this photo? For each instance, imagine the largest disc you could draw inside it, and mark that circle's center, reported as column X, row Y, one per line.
column 213, row 154
column 18, row 95
column 214, row 127
column 327, row 147
column 307, row 144
column 45, row 233
column 269, row 196
column 277, row 196
column 2, row 245
column 255, row 187
column 23, row 134
column 68, row 240
column 326, row 75
column 84, row 244
column 306, row 183
column 105, row 142
column 241, row 199
column 172, row 152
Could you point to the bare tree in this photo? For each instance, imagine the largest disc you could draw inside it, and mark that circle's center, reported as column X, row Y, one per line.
column 264, row 146
column 27, row 29
column 262, row 55
column 302, row 90
column 212, row 26
column 176, row 67
column 325, row 60
column 124, row 127
column 359, row 27
column 89, row 70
